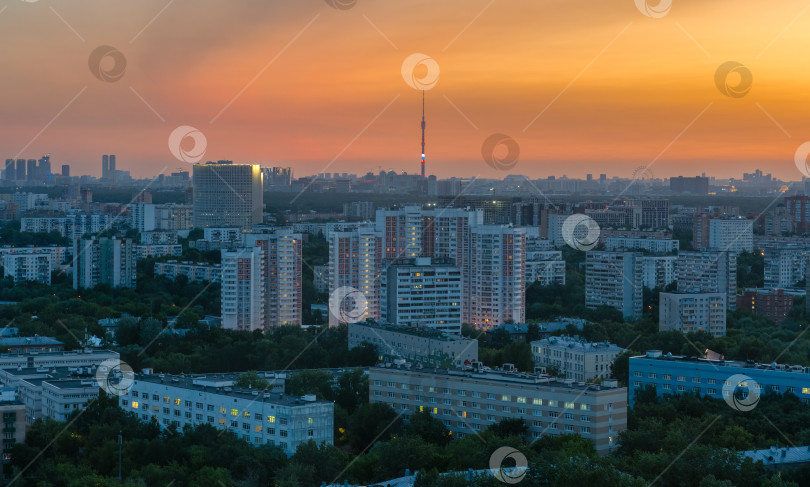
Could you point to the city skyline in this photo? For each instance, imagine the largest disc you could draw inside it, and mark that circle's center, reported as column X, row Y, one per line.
column 609, row 89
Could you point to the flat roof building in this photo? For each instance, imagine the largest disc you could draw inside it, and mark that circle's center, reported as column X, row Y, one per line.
column 467, row 402
column 719, row 379
column 261, row 418
column 576, row 358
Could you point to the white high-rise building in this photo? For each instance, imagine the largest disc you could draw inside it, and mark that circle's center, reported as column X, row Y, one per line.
column 281, row 274
column 28, row 266
column 243, row 289
column 658, row 270
column 708, row 271
column 227, row 194
column 614, row 279
column 108, row 261
column 422, row 293
column 545, row 267
column 495, row 290
column 785, row 266
column 142, row 216
column 731, row 234
column 355, row 261
column 693, row 312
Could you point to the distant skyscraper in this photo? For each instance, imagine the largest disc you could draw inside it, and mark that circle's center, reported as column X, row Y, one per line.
column 65, row 170
column 112, row 168
column 105, row 166
column 44, row 167
column 20, row 169
column 355, row 261
column 11, row 174
column 227, row 195
column 32, row 169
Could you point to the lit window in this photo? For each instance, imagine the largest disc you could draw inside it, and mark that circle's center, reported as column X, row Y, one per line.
column 271, row 419
column 234, row 412
column 134, row 404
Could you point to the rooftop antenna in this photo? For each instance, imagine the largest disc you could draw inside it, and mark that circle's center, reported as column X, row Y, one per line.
column 423, row 133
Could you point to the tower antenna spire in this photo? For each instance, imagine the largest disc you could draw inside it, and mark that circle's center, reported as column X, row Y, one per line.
column 423, row 133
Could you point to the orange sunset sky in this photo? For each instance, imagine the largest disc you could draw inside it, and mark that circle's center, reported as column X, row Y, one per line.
column 308, row 84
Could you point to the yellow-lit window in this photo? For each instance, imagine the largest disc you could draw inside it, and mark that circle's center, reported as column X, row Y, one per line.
column 805, row 390
column 222, row 421
column 309, row 420
column 569, row 405
column 134, row 404
column 245, row 414
column 177, row 402
column 234, row 412
column 258, row 428
column 271, row 419
column 521, row 400
column 166, row 399
column 435, row 410
column 421, row 408
column 504, row 397
column 463, row 414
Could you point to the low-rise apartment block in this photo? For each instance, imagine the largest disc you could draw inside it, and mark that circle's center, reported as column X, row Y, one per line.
column 576, row 358
column 468, row 402
column 261, row 418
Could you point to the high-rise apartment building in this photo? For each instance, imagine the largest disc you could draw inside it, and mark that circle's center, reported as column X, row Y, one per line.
column 28, row 266
column 614, row 279
column 227, row 194
column 11, row 173
column 355, row 261
column 731, row 234
column 693, row 312
column 20, row 169
column 243, row 289
column 281, row 274
column 495, row 290
column 708, row 271
column 108, row 261
column 785, row 265
column 658, row 270
column 422, row 293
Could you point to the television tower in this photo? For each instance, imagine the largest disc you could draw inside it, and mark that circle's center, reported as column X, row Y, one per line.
column 423, row 133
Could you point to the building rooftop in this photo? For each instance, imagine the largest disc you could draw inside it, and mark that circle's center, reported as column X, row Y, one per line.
column 507, row 374
column 223, row 384
column 28, row 341
column 719, row 362
column 779, row 456
column 415, row 331
column 547, row 327
column 579, row 344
